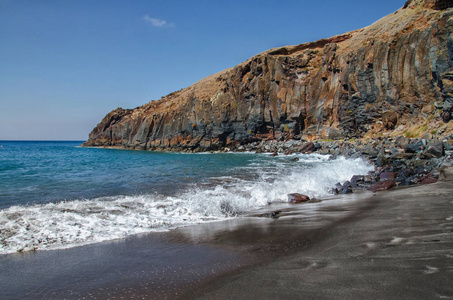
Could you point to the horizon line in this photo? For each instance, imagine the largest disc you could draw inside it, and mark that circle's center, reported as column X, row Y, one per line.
column 41, row 140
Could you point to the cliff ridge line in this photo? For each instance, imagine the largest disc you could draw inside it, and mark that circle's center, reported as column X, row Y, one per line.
column 385, row 78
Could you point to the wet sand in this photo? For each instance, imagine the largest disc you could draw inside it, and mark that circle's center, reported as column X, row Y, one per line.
column 400, row 248
column 389, row 245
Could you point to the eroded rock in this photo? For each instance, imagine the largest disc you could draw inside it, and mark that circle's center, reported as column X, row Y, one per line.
column 347, row 86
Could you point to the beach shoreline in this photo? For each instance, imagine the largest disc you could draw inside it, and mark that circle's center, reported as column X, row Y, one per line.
column 401, row 248
column 307, row 252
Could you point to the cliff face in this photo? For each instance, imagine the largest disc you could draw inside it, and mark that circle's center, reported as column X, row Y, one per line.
column 386, row 77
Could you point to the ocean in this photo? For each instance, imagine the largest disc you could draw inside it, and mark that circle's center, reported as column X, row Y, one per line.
column 56, row 195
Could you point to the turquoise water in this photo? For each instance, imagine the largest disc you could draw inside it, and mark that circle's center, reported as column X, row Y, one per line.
column 57, row 194
column 40, row 172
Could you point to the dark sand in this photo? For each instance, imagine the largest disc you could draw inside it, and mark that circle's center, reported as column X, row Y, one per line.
column 391, row 245
column 399, row 248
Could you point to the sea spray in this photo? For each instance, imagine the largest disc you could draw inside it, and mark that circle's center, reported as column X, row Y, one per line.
column 77, row 222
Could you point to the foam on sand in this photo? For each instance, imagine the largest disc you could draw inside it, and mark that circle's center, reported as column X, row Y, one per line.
column 77, row 222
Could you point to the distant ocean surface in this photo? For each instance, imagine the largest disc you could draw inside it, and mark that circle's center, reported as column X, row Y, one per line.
column 58, row 195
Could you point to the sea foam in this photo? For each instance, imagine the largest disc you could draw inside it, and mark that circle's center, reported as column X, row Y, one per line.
column 78, row 222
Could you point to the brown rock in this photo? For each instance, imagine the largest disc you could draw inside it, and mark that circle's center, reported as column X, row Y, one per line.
column 382, row 185
column 433, row 4
column 390, row 119
column 401, row 141
column 428, row 180
column 297, row 198
column 387, row 176
column 446, row 116
column 307, row 148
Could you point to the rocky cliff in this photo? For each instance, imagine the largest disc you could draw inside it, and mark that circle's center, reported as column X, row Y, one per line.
column 387, row 78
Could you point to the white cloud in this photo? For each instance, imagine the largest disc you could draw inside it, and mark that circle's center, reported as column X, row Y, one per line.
column 156, row 22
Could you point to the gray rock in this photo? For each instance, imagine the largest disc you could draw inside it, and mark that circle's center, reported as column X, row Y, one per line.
column 414, row 147
column 401, row 142
column 435, row 149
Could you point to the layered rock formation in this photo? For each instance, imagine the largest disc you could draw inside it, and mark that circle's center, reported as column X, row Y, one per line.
column 387, row 77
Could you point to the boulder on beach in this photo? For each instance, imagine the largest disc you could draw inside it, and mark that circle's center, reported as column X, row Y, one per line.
column 387, row 176
column 428, row 180
column 297, row 198
column 382, row 185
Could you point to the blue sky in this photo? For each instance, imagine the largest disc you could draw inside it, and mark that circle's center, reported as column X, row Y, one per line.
column 65, row 64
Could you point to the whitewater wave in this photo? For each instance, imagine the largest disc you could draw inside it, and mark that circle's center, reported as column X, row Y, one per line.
column 72, row 223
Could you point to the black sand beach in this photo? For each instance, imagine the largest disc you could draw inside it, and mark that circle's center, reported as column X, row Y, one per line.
column 396, row 244
column 400, row 247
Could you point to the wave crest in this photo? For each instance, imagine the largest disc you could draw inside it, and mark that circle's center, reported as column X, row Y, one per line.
column 71, row 223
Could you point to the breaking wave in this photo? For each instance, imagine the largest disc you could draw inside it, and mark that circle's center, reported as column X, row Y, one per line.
column 78, row 222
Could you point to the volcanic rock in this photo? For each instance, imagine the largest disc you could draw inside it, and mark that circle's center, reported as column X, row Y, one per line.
column 307, row 148
column 414, row 147
column 346, row 188
column 382, row 185
column 358, row 84
column 435, row 149
column 428, row 180
column 357, row 180
column 387, row 176
column 297, row 198
column 390, row 119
